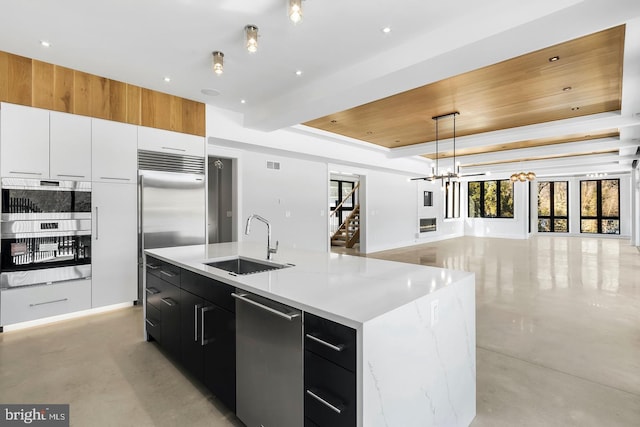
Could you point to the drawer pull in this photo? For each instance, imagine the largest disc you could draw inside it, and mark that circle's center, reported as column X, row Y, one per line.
column 152, row 291
column 167, row 274
column 338, row 347
column 48, row 302
column 324, row 402
column 152, row 267
column 175, row 149
column 115, row 178
column 168, row 301
column 26, row 173
column 150, row 323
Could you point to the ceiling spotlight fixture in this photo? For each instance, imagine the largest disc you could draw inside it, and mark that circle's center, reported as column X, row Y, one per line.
column 251, row 35
column 523, row 176
column 243, row 101
column 295, row 10
column 567, row 88
column 167, row 79
column 298, row 72
column 554, row 58
column 596, row 175
column 386, row 30
column 218, row 62
column 45, row 43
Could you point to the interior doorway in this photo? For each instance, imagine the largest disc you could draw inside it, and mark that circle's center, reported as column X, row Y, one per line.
column 220, row 200
column 345, row 222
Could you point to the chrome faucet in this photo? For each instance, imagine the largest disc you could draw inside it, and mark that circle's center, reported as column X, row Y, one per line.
column 247, row 230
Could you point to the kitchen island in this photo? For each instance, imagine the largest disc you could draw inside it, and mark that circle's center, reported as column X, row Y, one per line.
column 413, row 349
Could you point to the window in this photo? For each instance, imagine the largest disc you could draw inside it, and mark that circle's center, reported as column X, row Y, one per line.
column 490, row 199
column 600, row 206
column 338, row 191
column 452, row 200
column 553, row 202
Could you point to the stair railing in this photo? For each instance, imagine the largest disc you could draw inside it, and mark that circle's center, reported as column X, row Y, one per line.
column 333, row 219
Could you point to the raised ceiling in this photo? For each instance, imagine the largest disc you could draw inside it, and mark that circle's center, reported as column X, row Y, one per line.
column 577, row 78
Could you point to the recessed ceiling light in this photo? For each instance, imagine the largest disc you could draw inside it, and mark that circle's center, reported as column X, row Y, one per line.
column 167, row 79
column 243, row 101
column 575, row 108
column 45, row 43
column 298, row 72
column 210, row 92
column 554, row 58
column 566, row 89
column 334, row 121
column 386, row 30
column 369, row 132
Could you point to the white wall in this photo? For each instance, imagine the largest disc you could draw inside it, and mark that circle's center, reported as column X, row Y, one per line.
column 445, row 228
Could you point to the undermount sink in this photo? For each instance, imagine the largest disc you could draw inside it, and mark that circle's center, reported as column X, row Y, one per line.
column 242, row 266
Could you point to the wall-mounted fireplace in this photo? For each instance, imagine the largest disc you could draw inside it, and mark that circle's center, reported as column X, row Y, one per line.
column 427, row 224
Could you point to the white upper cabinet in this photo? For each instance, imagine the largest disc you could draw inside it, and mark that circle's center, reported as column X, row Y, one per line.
column 170, row 142
column 24, row 141
column 114, row 151
column 70, row 144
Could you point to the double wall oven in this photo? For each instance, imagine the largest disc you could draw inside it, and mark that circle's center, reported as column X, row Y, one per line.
column 45, row 232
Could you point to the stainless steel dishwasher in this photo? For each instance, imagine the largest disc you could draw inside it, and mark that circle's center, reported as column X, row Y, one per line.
column 269, row 362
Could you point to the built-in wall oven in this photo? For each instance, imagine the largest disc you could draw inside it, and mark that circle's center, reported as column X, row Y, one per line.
column 45, row 232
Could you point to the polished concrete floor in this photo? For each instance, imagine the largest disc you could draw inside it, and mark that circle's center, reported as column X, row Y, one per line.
column 558, row 344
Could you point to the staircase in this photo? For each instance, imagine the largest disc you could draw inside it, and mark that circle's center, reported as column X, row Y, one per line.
column 348, row 234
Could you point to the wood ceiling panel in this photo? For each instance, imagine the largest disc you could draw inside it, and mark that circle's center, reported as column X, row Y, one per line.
column 521, row 91
column 541, row 142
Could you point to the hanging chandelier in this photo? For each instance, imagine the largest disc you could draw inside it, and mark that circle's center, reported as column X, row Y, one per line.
column 523, row 176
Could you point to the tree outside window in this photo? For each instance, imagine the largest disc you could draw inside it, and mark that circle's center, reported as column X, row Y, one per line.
column 553, row 206
column 600, row 206
column 490, row 199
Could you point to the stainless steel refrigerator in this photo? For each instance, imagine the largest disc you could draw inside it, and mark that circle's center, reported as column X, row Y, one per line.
column 172, row 203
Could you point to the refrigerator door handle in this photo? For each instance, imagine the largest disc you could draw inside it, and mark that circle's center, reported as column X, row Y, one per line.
column 141, row 215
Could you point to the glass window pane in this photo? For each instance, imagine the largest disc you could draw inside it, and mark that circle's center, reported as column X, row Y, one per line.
column 544, row 224
column 333, row 193
column 610, row 226
column 589, row 226
column 560, row 225
column 474, row 199
column 456, row 200
column 506, row 199
column 490, row 199
column 544, row 194
column 610, row 198
column 588, row 198
column 347, row 187
column 560, row 199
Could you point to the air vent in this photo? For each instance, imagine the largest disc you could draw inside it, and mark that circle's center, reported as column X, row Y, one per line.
column 165, row 162
column 273, row 165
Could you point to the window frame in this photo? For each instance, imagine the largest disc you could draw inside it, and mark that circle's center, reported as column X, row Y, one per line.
column 599, row 217
column 481, row 209
column 552, row 216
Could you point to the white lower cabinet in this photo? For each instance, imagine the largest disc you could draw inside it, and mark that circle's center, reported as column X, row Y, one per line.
column 37, row 302
column 114, row 244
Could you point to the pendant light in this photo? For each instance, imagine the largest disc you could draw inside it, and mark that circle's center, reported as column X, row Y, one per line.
column 251, row 37
column 295, row 11
column 218, row 62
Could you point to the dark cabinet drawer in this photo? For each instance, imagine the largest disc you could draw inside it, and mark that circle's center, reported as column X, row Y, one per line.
column 213, row 291
column 329, row 393
column 160, row 292
column 163, row 270
column 154, row 323
column 330, row 340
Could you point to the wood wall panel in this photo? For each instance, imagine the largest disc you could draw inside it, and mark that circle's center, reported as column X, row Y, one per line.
column 134, row 99
column 19, row 74
column 39, row 84
column 63, row 87
column 42, row 81
column 4, row 76
column 117, row 101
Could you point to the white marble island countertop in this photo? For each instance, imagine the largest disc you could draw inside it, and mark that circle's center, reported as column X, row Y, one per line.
column 348, row 289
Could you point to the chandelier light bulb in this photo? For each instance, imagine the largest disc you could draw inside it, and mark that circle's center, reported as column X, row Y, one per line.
column 251, row 33
column 295, row 11
column 218, row 62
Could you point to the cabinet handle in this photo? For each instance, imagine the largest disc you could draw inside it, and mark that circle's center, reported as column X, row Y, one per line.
column 195, row 321
column 338, row 347
column 152, row 291
column 27, row 173
column 150, row 323
column 289, row 316
column 97, row 219
column 152, row 267
column 324, row 402
column 167, row 274
column 175, row 149
column 70, row 176
column 115, row 178
column 203, row 310
column 168, row 301
column 48, row 302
